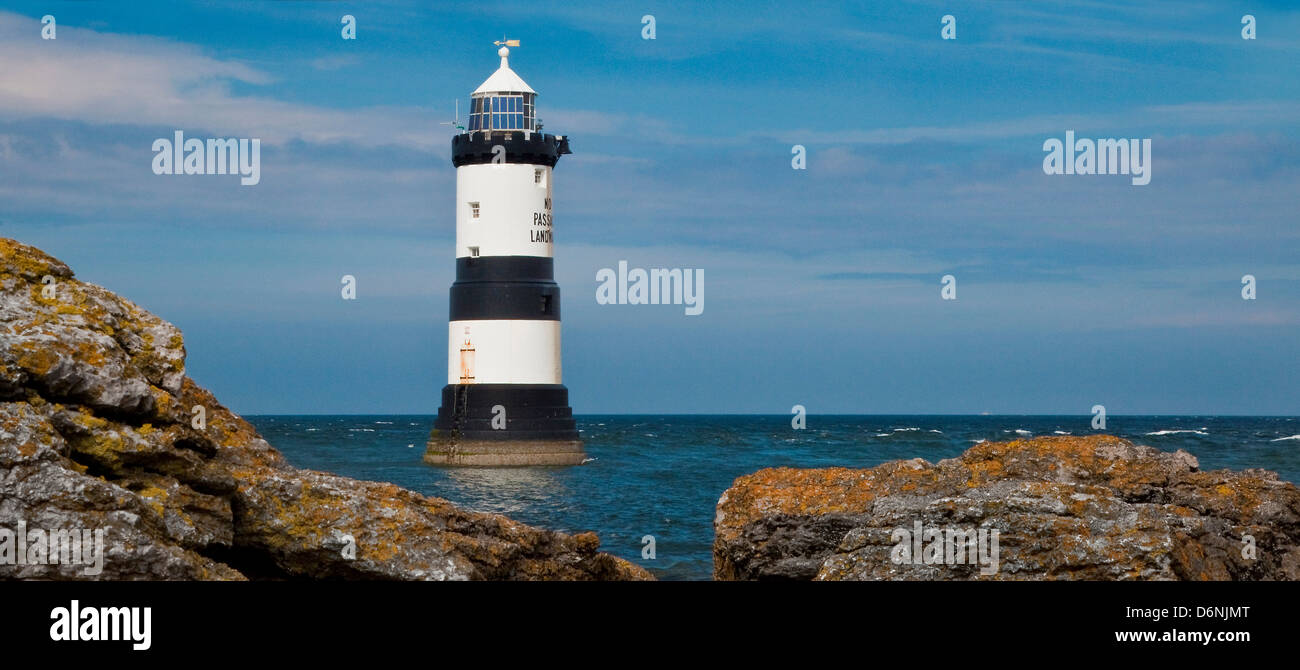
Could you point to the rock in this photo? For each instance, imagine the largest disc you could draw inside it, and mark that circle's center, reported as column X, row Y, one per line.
column 1088, row 508
column 96, row 434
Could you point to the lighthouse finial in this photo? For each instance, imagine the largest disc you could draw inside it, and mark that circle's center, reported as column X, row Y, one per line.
column 503, row 43
column 504, row 51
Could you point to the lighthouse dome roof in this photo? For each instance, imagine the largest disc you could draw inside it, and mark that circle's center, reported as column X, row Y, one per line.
column 504, row 79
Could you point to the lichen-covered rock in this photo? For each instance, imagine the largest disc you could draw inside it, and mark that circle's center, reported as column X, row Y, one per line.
column 142, row 538
column 1091, row 508
column 97, row 434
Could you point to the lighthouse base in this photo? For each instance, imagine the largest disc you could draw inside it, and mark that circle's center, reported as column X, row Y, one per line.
column 482, row 453
column 504, row 425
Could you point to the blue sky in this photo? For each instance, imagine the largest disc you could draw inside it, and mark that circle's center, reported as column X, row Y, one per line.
column 822, row 286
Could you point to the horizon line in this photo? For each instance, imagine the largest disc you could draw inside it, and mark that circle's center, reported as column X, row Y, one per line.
column 1088, row 415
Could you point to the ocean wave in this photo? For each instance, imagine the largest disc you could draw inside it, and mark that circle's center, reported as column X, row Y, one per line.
column 1293, row 437
column 387, row 423
column 1175, row 432
column 905, row 430
column 1060, row 432
column 1022, row 431
column 979, row 441
column 936, row 431
column 883, row 434
column 361, row 430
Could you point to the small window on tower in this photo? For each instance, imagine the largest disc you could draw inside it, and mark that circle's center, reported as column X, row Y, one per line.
column 473, row 252
column 546, row 304
column 539, row 177
column 473, row 209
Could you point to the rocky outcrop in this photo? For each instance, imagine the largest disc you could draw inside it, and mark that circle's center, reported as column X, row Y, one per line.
column 1088, row 508
column 100, row 429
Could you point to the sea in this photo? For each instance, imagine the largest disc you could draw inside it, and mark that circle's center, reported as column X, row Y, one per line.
column 654, row 481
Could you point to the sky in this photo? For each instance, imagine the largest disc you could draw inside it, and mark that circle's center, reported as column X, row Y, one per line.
column 822, row 285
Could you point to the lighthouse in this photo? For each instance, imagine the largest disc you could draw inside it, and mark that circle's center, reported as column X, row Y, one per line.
column 504, row 402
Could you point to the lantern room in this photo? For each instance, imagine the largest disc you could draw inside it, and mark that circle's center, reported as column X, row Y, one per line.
column 503, row 102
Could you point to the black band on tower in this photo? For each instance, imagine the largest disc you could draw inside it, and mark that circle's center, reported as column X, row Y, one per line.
column 505, row 268
column 531, row 412
column 480, row 148
column 478, row 301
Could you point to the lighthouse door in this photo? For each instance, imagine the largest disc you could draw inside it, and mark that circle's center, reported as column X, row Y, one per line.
column 467, row 360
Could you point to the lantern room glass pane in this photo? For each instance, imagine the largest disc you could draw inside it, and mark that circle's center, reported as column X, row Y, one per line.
column 502, row 111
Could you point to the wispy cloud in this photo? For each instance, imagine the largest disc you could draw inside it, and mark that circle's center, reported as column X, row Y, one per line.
column 144, row 81
column 337, row 62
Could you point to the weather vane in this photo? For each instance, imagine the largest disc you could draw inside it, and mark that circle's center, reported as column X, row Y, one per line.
column 506, row 42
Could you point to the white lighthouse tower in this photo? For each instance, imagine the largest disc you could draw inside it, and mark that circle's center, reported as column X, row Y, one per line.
column 504, row 403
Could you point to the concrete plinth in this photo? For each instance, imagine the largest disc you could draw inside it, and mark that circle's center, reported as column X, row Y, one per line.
column 447, row 450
